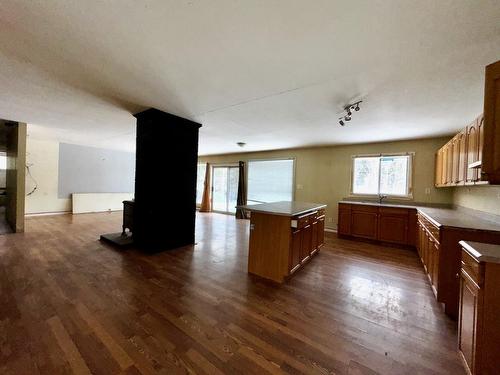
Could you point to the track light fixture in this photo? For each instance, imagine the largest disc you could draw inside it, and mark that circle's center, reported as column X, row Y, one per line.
column 348, row 109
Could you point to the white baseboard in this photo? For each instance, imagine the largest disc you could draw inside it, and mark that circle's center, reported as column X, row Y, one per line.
column 331, row 230
column 47, row 213
column 99, row 202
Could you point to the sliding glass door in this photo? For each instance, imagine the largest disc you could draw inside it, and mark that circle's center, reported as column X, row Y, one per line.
column 224, row 189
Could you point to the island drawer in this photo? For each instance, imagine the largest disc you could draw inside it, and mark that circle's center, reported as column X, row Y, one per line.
column 472, row 268
column 304, row 220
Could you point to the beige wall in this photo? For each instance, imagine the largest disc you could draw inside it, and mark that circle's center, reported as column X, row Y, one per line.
column 43, row 158
column 482, row 198
column 15, row 183
column 323, row 173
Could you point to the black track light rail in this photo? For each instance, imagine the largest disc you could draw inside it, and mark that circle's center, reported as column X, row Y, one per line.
column 348, row 109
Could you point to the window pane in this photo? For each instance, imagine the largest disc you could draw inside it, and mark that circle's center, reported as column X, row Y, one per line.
column 270, row 181
column 393, row 175
column 3, row 162
column 365, row 176
column 219, row 189
column 200, row 182
column 232, row 196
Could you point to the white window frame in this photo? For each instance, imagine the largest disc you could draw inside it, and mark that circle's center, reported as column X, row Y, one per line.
column 198, row 164
column 293, row 159
column 409, row 175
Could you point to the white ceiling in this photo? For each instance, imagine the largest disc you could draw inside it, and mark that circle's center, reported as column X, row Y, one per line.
column 273, row 74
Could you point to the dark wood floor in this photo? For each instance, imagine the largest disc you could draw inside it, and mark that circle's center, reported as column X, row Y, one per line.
column 4, row 226
column 70, row 304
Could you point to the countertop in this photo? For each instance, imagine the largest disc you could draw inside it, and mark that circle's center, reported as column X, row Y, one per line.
column 482, row 252
column 446, row 216
column 283, row 208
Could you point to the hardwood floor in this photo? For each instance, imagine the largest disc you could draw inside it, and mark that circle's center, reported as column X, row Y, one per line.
column 4, row 226
column 70, row 304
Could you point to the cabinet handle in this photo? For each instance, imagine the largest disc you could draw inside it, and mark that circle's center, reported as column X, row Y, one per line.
column 457, row 275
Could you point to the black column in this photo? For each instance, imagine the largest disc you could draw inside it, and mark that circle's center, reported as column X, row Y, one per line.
column 165, row 180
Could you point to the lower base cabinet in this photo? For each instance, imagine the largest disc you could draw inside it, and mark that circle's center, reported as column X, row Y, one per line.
column 428, row 248
column 386, row 224
column 479, row 319
column 307, row 238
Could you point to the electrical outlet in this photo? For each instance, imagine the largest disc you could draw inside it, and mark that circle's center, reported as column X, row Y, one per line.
column 300, row 187
column 427, row 191
column 329, row 219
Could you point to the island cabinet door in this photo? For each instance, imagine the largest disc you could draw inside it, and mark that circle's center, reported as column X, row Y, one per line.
column 468, row 322
column 315, row 234
column 306, row 243
column 321, row 232
column 296, row 249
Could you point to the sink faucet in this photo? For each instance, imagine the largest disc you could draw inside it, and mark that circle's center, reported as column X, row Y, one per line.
column 381, row 198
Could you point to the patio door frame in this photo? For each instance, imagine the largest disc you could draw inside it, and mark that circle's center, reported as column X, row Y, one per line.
column 213, row 167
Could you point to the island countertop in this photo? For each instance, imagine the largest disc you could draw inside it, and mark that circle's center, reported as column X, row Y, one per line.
column 284, row 208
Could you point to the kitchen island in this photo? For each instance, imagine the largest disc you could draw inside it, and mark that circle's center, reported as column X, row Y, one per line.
column 283, row 237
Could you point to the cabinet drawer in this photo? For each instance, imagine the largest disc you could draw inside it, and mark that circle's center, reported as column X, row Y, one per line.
column 321, row 212
column 364, row 208
column 429, row 227
column 393, row 211
column 472, row 268
column 303, row 220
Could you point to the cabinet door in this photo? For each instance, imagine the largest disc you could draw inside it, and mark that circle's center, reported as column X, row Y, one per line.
column 438, row 179
column 435, row 265
column 472, row 152
column 393, row 228
column 425, row 251
column 296, row 247
column 419, row 239
column 344, row 225
column 480, row 146
column 364, row 224
column 321, row 232
column 490, row 152
column 306, row 243
column 462, row 167
column 449, row 163
column 314, row 240
column 468, row 319
column 455, row 159
column 444, row 178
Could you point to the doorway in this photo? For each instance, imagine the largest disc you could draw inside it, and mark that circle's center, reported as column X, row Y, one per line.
column 224, row 189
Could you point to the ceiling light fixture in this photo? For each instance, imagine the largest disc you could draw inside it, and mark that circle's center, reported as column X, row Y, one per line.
column 241, row 144
column 348, row 109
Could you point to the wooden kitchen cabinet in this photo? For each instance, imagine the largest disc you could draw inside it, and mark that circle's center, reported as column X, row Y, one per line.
column 472, row 175
column 438, row 180
column 428, row 250
column 295, row 249
column 381, row 223
column 479, row 321
column 490, row 151
column 364, row 220
column 472, row 157
column 393, row 225
column 461, row 167
column 458, row 162
column 281, row 237
column 344, row 219
column 306, row 244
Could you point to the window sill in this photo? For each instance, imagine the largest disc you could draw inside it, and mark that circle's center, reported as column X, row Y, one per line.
column 387, row 198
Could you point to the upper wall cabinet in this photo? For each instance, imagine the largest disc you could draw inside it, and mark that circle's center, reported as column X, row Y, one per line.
column 472, row 157
column 490, row 168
